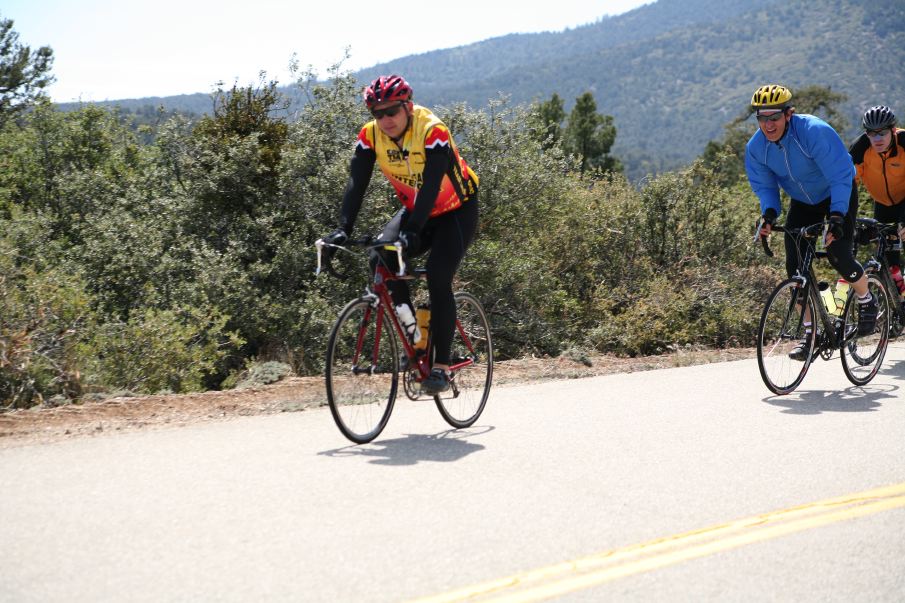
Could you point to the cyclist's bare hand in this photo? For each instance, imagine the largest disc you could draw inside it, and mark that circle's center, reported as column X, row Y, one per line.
column 902, row 231
column 765, row 229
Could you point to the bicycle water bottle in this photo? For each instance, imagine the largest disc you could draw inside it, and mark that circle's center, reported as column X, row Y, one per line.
column 841, row 295
column 407, row 320
column 826, row 294
column 897, row 277
column 423, row 315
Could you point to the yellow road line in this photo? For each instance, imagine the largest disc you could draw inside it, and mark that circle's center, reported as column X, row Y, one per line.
column 570, row 576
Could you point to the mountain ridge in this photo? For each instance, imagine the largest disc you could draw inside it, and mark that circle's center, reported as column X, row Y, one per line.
column 668, row 71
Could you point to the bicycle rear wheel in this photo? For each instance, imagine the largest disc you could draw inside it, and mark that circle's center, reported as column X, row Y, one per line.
column 362, row 370
column 471, row 364
column 863, row 355
column 780, row 331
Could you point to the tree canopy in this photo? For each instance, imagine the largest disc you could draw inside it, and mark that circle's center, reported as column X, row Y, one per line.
column 23, row 73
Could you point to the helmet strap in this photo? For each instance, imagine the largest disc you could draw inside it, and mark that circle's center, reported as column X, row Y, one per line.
column 408, row 123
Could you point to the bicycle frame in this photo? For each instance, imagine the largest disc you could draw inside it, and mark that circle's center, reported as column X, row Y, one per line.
column 806, row 278
column 382, row 295
column 382, row 301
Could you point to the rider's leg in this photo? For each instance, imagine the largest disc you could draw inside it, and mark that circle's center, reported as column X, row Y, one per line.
column 450, row 235
column 399, row 290
column 800, row 214
column 841, row 253
column 890, row 214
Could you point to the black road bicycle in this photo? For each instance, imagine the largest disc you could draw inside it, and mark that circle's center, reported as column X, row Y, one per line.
column 797, row 299
column 369, row 352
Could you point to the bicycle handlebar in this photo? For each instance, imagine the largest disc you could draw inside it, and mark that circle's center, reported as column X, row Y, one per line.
column 366, row 242
column 806, row 231
column 879, row 229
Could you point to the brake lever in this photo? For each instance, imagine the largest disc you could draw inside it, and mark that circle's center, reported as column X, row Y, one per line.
column 763, row 239
column 319, row 244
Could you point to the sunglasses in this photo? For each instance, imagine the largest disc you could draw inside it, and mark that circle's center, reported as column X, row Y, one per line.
column 772, row 117
column 387, row 112
column 877, row 133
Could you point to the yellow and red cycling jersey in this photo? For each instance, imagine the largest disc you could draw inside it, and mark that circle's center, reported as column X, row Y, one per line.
column 404, row 167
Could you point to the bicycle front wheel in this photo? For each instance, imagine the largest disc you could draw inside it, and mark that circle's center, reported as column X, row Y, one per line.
column 362, row 370
column 471, row 364
column 781, row 330
column 862, row 355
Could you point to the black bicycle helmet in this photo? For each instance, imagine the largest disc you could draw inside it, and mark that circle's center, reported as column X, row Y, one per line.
column 878, row 118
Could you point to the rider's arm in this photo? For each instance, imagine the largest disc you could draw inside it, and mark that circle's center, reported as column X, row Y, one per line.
column 360, row 169
column 762, row 179
column 436, row 163
column 857, row 150
column 833, row 161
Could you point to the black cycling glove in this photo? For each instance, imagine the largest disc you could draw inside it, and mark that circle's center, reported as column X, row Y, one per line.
column 769, row 216
column 337, row 237
column 837, row 221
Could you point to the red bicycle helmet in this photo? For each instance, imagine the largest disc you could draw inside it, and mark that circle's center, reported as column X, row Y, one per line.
column 387, row 88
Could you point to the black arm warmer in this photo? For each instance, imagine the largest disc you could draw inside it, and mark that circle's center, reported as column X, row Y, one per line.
column 360, row 169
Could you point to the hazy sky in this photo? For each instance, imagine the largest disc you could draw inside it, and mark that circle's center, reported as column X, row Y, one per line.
column 105, row 50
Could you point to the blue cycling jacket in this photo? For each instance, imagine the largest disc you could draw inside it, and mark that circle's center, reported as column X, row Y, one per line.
column 810, row 162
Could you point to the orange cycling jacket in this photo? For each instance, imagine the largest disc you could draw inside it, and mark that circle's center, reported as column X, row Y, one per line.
column 883, row 174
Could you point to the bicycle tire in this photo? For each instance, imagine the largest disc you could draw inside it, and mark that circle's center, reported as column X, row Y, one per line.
column 862, row 355
column 362, row 370
column 896, row 308
column 780, row 330
column 473, row 345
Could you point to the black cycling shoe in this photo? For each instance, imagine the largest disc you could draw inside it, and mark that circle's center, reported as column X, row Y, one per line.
column 435, row 383
column 867, row 316
column 800, row 351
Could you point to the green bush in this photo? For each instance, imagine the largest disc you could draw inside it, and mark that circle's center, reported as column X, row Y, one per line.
column 176, row 264
column 159, row 350
column 257, row 374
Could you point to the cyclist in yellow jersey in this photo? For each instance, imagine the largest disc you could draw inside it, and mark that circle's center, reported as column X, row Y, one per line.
column 439, row 197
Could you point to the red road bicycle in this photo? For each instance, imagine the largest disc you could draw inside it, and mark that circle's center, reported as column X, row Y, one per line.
column 364, row 363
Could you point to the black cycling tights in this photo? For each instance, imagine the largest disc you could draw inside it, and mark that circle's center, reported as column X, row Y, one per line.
column 890, row 214
column 447, row 237
column 839, row 253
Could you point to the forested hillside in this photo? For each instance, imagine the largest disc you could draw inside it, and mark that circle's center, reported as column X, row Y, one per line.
column 673, row 72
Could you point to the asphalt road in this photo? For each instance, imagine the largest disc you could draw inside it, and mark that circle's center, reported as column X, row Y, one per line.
column 680, row 484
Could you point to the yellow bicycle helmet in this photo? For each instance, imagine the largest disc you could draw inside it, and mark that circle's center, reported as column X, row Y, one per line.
column 771, row 96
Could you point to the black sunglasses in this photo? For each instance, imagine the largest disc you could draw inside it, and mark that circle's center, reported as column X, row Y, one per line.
column 772, row 117
column 876, row 133
column 390, row 111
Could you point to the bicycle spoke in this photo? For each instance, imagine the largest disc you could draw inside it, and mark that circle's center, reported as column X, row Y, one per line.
column 862, row 355
column 362, row 371
column 780, row 332
column 471, row 363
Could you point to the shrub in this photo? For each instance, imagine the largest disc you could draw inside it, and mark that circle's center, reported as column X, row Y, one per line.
column 160, row 349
